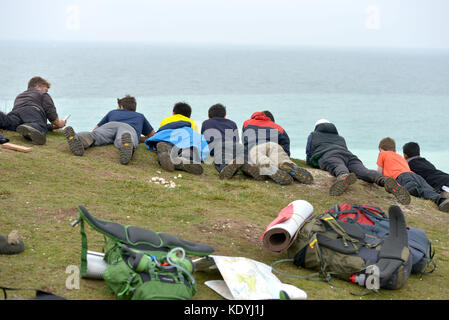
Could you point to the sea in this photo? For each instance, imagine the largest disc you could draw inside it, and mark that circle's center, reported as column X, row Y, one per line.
column 368, row 93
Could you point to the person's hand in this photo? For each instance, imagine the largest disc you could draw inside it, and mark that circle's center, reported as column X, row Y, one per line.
column 62, row 123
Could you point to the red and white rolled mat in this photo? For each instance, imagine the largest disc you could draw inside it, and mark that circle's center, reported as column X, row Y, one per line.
column 281, row 232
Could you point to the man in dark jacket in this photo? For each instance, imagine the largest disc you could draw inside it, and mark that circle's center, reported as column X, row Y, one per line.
column 267, row 145
column 31, row 110
column 327, row 150
column 222, row 136
column 438, row 179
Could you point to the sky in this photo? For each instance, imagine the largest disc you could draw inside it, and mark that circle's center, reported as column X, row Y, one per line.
column 378, row 23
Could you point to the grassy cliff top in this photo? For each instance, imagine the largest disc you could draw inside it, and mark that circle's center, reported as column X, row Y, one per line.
column 40, row 191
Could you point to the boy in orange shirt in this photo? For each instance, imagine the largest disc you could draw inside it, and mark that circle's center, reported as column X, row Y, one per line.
column 391, row 164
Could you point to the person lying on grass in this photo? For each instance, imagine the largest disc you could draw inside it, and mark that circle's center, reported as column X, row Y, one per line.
column 123, row 127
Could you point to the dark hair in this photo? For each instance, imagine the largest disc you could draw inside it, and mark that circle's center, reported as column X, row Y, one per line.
column 217, row 110
column 387, row 144
column 38, row 81
column 411, row 149
column 269, row 115
column 182, row 108
column 128, row 103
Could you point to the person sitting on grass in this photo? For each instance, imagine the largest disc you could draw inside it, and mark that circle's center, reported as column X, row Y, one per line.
column 222, row 136
column 438, row 179
column 32, row 108
column 178, row 143
column 267, row 145
column 123, row 127
column 327, row 150
column 393, row 165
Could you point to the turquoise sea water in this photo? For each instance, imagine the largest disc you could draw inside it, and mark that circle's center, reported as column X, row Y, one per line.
column 368, row 93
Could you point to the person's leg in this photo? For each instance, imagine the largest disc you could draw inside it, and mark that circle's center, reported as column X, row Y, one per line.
column 418, row 187
column 355, row 165
column 335, row 162
column 189, row 160
column 230, row 159
column 164, row 150
column 33, row 124
column 126, row 141
column 278, row 155
column 78, row 142
column 266, row 157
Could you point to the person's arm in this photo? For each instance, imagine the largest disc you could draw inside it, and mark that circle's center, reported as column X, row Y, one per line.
column 58, row 124
column 144, row 138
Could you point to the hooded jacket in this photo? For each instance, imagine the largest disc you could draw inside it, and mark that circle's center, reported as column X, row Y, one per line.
column 260, row 129
column 325, row 138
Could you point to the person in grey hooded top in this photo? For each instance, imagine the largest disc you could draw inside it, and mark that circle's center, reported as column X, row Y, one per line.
column 327, row 150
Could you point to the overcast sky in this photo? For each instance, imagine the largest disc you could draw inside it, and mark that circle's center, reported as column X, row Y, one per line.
column 410, row 23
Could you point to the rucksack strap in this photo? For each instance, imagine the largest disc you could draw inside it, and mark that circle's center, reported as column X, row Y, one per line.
column 40, row 295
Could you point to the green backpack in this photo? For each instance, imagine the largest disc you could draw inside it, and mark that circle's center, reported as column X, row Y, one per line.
column 143, row 264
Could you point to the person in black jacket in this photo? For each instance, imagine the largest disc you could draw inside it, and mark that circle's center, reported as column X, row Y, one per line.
column 327, row 150
column 437, row 179
column 222, row 136
column 31, row 110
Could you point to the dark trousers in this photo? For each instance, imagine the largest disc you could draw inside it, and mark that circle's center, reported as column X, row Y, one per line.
column 338, row 162
column 30, row 116
column 418, row 187
column 226, row 152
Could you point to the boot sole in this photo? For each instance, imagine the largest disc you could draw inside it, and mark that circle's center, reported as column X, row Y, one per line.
column 401, row 194
column 34, row 135
column 282, row 177
column 194, row 168
column 340, row 186
column 229, row 171
column 126, row 148
column 253, row 171
column 164, row 156
column 75, row 145
column 444, row 206
column 299, row 174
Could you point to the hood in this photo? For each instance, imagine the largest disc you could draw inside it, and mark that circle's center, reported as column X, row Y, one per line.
column 260, row 116
column 326, row 128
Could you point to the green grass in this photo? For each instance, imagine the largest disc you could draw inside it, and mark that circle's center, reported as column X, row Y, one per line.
column 40, row 191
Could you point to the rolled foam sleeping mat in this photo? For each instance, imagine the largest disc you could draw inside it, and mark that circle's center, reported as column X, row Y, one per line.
column 282, row 231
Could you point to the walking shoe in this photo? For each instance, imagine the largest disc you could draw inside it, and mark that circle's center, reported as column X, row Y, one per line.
column 401, row 194
column 194, row 168
column 230, row 170
column 444, row 205
column 342, row 183
column 281, row 177
column 32, row 134
column 75, row 144
column 299, row 174
column 163, row 154
column 11, row 244
column 126, row 148
column 253, row 171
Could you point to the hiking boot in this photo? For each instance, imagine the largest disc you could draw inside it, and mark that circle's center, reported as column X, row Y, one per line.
column 163, row 154
column 253, row 171
column 194, row 168
column 401, row 194
column 75, row 144
column 282, row 177
column 444, row 205
column 126, row 148
column 229, row 171
column 32, row 134
column 299, row 174
column 342, row 183
column 11, row 244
